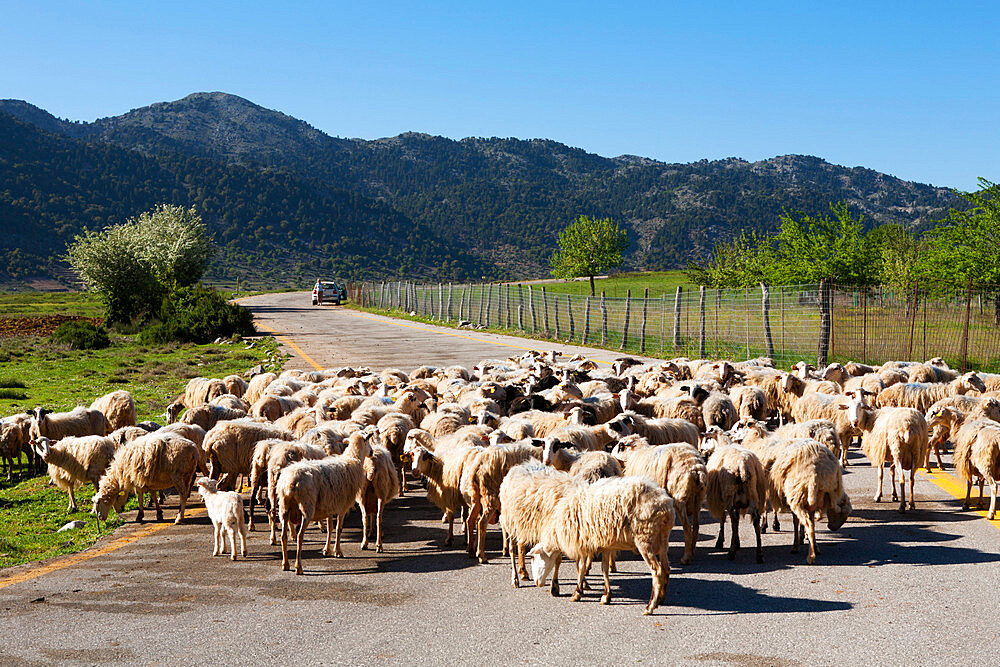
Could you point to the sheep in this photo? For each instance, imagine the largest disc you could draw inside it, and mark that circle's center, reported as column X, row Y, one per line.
column 588, row 465
column 870, row 383
column 192, row 432
column 658, row 431
column 369, row 412
column 590, row 438
column 57, row 425
column 202, row 390
column 897, row 435
column 677, row 407
column 225, row 509
column 609, row 515
column 14, row 439
column 330, row 435
column 315, row 490
column 542, row 423
column 173, row 411
column 806, row 479
column 299, row 420
column 528, row 495
column 717, row 408
column 832, row 408
column 229, row 448
column 256, row 386
column 946, row 416
column 74, row 461
column 235, row 385
column 381, row 484
column 856, row 369
column 977, row 454
column 271, row 407
column 118, row 408
column 481, row 486
column 230, row 401
column 680, row 471
column 921, row 396
column 392, row 430
column 929, row 372
column 443, row 472
column 269, row 458
column 735, row 485
column 446, row 419
column 151, row 463
column 750, row 401
column 823, row 431
column 207, row 415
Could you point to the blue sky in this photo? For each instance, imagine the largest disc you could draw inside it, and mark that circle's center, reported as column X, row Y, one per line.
column 908, row 88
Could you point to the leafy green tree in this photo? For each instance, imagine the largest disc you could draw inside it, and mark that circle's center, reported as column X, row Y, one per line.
column 132, row 265
column 899, row 253
column 743, row 262
column 588, row 247
column 963, row 250
column 808, row 249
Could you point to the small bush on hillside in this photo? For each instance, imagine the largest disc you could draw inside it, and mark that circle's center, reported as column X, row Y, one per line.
column 197, row 315
column 81, row 335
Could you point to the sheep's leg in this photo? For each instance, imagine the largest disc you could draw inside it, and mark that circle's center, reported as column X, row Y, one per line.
column 614, row 561
column 688, row 542
column 810, row 525
column 243, row 537
column 139, row 516
column 378, row 527
column 892, row 479
column 156, row 503
column 755, row 517
column 968, row 492
column 979, row 503
column 913, row 499
column 481, row 525
column 504, row 540
column 881, row 475
column 300, row 536
column 721, row 540
column 605, row 566
column 284, row 543
column 271, row 524
column 329, row 536
column 451, row 531
column 254, row 488
column 582, row 567
column 514, row 571
column 182, row 493
column 215, row 538
column 521, row 569
column 231, row 531
column 937, row 455
column 72, row 500
column 993, row 499
column 656, row 572
column 471, row 519
column 734, row 540
column 902, row 488
column 364, row 525
column 554, row 587
column 795, row 534
column 340, row 529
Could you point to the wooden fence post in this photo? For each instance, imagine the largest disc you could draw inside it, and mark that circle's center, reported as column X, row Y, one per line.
column 964, row 351
column 451, row 298
column 586, row 320
column 572, row 325
column 628, row 307
column 440, row 301
column 520, row 308
column 507, row 292
column 701, row 323
column 604, row 320
column 642, row 335
column 823, row 355
column 545, row 312
column 677, row 319
column 531, row 309
column 864, row 325
column 765, row 307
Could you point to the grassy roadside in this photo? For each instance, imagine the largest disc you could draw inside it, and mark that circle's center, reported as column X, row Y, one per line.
column 658, row 283
column 35, row 371
column 33, row 304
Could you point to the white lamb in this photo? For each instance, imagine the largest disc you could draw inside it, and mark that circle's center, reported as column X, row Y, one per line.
column 225, row 509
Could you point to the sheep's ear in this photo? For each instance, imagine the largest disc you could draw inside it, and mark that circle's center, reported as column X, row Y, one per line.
column 842, row 407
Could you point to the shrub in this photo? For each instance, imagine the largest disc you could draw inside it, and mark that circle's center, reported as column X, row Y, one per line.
column 197, row 315
column 81, row 335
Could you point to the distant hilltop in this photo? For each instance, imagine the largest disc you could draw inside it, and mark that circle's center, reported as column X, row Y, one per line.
column 286, row 201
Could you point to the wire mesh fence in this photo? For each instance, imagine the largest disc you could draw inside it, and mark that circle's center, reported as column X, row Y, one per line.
column 788, row 323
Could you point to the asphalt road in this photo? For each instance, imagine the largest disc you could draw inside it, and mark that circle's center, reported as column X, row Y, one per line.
column 886, row 589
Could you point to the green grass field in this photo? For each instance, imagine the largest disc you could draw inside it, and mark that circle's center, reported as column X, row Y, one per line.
column 29, row 304
column 658, row 283
column 34, row 371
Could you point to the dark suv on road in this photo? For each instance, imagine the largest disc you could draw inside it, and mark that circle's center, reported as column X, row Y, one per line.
column 327, row 291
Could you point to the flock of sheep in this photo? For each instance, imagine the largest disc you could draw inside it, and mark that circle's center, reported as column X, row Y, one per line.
column 572, row 460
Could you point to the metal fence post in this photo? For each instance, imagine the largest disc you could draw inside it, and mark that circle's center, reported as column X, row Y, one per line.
column 823, row 355
column 586, row 320
column 677, row 319
column 604, row 320
column 531, row 308
column 701, row 323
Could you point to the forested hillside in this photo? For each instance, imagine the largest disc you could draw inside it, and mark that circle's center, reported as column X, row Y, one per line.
column 273, row 187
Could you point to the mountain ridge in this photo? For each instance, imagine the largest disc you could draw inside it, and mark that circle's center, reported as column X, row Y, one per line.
column 505, row 199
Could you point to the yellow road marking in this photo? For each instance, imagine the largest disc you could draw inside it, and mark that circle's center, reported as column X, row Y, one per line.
column 290, row 343
column 73, row 559
column 955, row 487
